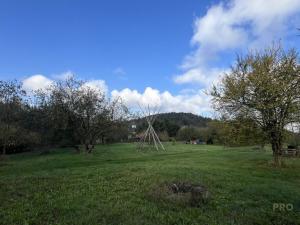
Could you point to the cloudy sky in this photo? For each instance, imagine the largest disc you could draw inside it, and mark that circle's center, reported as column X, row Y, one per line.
column 164, row 53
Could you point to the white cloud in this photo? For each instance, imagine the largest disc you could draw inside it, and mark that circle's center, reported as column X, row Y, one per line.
column 200, row 76
column 194, row 103
column 187, row 101
column 36, row 82
column 97, row 85
column 234, row 25
column 240, row 22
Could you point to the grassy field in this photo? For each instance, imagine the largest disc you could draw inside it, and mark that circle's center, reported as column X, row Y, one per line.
column 118, row 185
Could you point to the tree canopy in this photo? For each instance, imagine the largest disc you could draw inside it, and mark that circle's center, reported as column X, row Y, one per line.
column 67, row 113
column 264, row 87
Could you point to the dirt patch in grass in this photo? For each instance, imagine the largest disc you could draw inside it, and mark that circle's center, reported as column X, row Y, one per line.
column 181, row 193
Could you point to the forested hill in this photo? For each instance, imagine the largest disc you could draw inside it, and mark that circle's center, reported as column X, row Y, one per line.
column 184, row 119
column 172, row 122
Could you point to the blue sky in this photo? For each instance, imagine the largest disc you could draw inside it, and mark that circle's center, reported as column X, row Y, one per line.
column 92, row 38
column 175, row 48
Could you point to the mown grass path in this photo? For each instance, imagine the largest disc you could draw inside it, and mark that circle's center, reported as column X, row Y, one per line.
column 113, row 186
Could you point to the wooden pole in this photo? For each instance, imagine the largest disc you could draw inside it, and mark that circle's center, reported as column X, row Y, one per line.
column 150, row 133
column 158, row 140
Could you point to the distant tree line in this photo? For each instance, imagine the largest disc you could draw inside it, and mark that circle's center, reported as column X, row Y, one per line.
column 187, row 127
column 67, row 113
column 169, row 124
column 226, row 133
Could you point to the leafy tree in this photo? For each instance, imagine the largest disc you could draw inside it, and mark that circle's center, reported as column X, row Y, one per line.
column 11, row 97
column 213, row 132
column 80, row 113
column 238, row 132
column 163, row 136
column 171, row 128
column 118, row 132
column 67, row 113
column 265, row 88
column 188, row 133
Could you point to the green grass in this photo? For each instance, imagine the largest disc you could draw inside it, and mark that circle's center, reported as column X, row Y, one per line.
column 116, row 185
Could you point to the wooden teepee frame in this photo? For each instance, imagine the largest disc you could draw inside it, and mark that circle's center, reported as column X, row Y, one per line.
column 150, row 138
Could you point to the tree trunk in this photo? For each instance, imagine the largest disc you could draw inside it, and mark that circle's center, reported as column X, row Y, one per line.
column 5, row 142
column 4, row 150
column 87, row 149
column 276, row 141
column 277, row 160
column 3, row 155
column 88, row 146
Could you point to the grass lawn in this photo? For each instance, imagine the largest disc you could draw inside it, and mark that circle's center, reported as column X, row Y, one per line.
column 117, row 185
